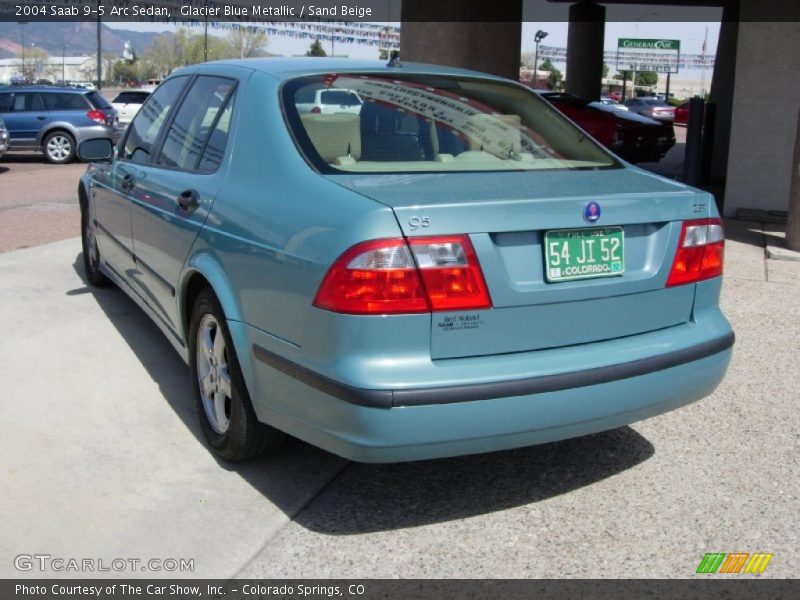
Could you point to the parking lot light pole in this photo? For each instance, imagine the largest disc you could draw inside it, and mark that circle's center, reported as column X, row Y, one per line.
column 22, row 41
column 540, row 35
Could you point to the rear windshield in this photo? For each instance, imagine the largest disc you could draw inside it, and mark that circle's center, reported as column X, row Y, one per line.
column 655, row 103
column 340, row 97
column 423, row 123
column 98, row 100
column 131, row 97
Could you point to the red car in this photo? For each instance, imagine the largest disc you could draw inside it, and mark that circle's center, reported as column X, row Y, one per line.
column 682, row 114
column 632, row 137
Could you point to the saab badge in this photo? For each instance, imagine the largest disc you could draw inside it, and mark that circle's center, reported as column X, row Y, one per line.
column 591, row 212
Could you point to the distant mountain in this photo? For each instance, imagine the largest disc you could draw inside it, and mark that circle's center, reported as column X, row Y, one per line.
column 77, row 38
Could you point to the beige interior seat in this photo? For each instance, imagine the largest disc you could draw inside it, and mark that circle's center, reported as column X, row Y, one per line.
column 336, row 136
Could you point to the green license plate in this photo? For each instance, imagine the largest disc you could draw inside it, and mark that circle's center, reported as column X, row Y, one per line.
column 571, row 254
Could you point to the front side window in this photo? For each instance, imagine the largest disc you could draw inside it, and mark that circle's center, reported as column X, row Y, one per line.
column 5, row 103
column 145, row 127
column 192, row 126
column 432, row 123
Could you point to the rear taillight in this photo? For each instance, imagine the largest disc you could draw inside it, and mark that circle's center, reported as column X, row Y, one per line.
column 700, row 253
column 391, row 276
column 98, row 116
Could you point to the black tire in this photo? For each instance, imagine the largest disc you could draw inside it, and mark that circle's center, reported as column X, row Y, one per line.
column 59, row 147
column 91, row 252
column 245, row 436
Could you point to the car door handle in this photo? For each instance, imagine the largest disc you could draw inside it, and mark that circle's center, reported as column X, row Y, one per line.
column 41, row 117
column 189, row 200
column 127, row 183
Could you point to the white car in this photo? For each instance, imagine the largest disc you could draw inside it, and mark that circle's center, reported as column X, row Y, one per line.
column 611, row 102
column 128, row 103
column 328, row 101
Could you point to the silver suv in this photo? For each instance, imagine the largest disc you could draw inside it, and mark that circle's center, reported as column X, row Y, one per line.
column 3, row 137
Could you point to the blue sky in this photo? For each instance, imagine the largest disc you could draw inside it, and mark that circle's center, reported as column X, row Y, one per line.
column 551, row 17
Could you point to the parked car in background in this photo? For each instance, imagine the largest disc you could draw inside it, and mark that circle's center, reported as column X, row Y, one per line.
column 682, row 114
column 632, row 137
column 3, row 137
column 88, row 85
column 652, row 108
column 128, row 102
column 327, row 102
column 455, row 269
column 54, row 120
column 611, row 102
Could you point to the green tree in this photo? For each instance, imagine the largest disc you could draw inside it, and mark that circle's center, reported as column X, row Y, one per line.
column 554, row 76
column 247, row 42
column 125, row 71
column 316, row 49
column 605, row 70
column 554, row 79
column 648, row 78
column 547, row 65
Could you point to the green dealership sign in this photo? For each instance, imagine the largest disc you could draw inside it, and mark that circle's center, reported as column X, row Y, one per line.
column 658, row 55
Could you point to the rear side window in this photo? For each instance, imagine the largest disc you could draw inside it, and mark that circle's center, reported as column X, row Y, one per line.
column 215, row 147
column 5, row 102
column 143, row 131
column 194, row 122
column 27, row 101
column 65, row 102
column 98, row 100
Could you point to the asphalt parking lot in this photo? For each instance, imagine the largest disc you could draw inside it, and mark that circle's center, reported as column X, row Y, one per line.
column 103, row 456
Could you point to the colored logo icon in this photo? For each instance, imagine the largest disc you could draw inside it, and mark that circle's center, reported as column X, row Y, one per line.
column 591, row 212
column 734, row 562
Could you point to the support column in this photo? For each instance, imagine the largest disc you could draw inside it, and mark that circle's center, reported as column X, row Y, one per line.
column 721, row 94
column 479, row 41
column 587, row 22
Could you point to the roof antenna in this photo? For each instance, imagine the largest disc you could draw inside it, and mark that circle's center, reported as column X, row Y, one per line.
column 394, row 60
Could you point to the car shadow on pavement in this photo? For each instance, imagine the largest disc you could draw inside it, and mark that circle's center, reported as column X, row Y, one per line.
column 23, row 157
column 369, row 498
column 360, row 498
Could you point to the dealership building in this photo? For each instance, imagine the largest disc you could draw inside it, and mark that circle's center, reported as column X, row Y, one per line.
column 53, row 68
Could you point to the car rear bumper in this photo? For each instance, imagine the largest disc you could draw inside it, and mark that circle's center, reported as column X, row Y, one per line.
column 686, row 363
column 99, row 131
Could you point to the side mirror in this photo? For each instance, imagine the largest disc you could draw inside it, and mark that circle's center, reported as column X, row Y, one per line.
column 96, row 150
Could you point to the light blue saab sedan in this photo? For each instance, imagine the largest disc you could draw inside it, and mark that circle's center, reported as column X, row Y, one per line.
column 452, row 268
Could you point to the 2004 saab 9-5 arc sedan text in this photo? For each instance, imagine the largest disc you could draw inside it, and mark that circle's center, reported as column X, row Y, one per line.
column 452, row 268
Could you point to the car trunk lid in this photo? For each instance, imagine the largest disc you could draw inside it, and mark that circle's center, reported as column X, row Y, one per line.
column 508, row 217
